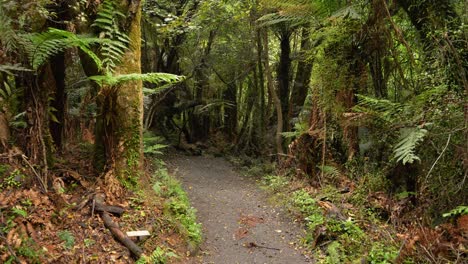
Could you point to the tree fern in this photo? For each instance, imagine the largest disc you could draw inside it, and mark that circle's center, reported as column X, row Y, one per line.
column 404, row 150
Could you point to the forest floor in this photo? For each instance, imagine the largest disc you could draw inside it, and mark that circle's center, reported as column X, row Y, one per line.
column 239, row 224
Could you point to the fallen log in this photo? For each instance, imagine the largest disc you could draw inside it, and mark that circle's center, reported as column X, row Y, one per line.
column 120, row 236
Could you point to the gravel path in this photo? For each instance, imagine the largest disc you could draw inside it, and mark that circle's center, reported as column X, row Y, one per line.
column 239, row 225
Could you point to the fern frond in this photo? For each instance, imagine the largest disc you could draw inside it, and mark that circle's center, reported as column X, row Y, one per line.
column 107, row 23
column 8, row 37
column 53, row 41
column 330, row 171
column 404, row 150
column 11, row 68
column 155, row 77
column 381, row 109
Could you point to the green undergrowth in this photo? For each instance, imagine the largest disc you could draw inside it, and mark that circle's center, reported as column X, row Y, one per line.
column 177, row 214
column 159, row 256
column 335, row 234
column 177, row 205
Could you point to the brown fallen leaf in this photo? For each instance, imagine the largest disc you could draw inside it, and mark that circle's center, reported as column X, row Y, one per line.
column 241, row 233
column 250, row 220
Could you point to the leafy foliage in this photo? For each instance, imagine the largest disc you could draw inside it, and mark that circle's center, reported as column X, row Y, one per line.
column 459, row 211
column 9, row 37
column 330, row 171
column 297, row 12
column 299, row 129
column 382, row 254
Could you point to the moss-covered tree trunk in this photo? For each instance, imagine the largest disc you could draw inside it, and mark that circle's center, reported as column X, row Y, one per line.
column 120, row 121
column 129, row 104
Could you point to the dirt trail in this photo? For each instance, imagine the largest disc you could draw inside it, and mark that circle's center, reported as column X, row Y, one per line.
column 239, row 225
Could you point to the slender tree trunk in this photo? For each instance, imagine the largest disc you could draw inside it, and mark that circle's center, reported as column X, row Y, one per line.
column 230, row 121
column 261, row 76
column 200, row 122
column 129, row 107
column 276, row 100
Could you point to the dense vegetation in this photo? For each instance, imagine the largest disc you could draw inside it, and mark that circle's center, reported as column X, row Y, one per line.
column 363, row 96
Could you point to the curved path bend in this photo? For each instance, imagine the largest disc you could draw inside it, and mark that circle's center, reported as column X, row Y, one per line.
column 239, row 224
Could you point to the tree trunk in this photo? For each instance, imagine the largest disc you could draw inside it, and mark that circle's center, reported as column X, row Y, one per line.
column 355, row 80
column 59, row 100
column 120, row 137
column 261, row 76
column 230, row 121
column 302, row 80
column 283, row 72
column 200, row 122
column 276, row 100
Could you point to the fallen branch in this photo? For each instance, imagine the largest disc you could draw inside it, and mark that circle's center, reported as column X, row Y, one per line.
column 12, row 252
column 98, row 205
column 116, row 210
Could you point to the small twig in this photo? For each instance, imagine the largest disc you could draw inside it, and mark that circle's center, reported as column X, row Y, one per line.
column 401, row 248
column 44, row 188
column 442, row 153
column 93, row 207
column 12, row 252
column 40, row 135
column 398, row 32
column 252, row 244
column 83, row 202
